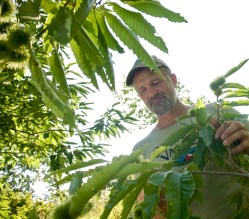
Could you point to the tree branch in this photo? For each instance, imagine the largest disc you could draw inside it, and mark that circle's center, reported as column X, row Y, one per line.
column 246, row 175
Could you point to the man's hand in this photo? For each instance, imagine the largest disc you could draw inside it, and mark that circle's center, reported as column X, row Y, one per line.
column 234, row 133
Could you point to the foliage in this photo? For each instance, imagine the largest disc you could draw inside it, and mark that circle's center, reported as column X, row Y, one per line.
column 90, row 31
column 181, row 184
column 17, row 205
column 42, row 36
column 44, row 100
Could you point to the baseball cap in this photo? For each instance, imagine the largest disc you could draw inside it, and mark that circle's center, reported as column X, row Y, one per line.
column 140, row 64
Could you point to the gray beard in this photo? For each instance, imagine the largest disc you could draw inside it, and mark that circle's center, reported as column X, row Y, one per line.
column 165, row 105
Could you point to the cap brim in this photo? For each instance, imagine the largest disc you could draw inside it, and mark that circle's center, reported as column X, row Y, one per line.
column 131, row 74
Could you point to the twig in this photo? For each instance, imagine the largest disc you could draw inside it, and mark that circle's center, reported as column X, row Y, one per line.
column 246, row 175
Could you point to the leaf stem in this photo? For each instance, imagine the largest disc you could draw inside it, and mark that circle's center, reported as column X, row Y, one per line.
column 246, row 175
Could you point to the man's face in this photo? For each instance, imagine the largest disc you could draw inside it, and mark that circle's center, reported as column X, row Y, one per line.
column 157, row 91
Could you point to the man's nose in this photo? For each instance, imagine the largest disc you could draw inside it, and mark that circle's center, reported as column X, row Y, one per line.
column 152, row 92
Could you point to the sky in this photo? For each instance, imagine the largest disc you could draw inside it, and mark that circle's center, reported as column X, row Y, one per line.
column 214, row 40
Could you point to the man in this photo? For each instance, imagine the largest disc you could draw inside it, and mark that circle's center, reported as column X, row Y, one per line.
column 158, row 92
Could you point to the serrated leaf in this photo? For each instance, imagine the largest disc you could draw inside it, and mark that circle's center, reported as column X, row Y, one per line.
column 238, row 93
column 176, row 136
column 51, row 98
column 83, row 9
column 233, row 85
column 58, row 72
column 107, row 76
column 185, row 146
column 158, row 151
column 47, row 5
column 120, row 191
column 75, row 183
column 158, row 178
column 155, row 9
column 236, row 103
column 201, row 113
column 207, row 134
column 139, row 25
column 129, row 201
column 80, row 165
column 47, row 43
column 60, row 26
column 180, row 188
column 89, row 47
column 217, row 147
column 151, row 198
column 130, row 40
column 83, row 61
column 236, row 68
column 110, row 39
column 135, row 168
column 97, row 181
column 200, row 153
column 29, row 10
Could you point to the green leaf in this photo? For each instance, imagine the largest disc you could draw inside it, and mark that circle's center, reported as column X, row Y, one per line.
column 130, row 40
column 151, row 198
column 236, row 103
column 176, row 136
column 60, row 26
column 201, row 114
column 107, row 76
column 238, row 93
column 180, row 188
column 217, row 147
column 58, row 72
column 158, row 151
column 81, row 14
column 207, row 134
column 200, row 154
column 75, row 183
column 47, row 43
column 236, row 68
column 82, row 59
column 233, row 85
column 110, row 39
column 186, row 144
column 47, row 5
column 80, row 165
column 134, row 168
column 98, row 180
column 129, row 201
column 52, row 100
column 29, row 10
column 121, row 190
column 155, row 9
column 158, row 178
column 139, row 25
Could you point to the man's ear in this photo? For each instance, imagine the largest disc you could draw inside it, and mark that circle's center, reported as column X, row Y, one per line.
column 174, row 79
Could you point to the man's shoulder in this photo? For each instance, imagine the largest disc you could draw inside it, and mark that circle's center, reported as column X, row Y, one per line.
column 142, row 142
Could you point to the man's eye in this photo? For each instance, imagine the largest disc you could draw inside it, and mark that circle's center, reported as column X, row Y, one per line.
column 156, row 83
column 142, row 91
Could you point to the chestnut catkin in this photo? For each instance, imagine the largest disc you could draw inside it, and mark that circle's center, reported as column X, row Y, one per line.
column 4, row 26
column 7, row 10
column 62, row 211
column 17, row 59
column 17, row 37
column 18, row 56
